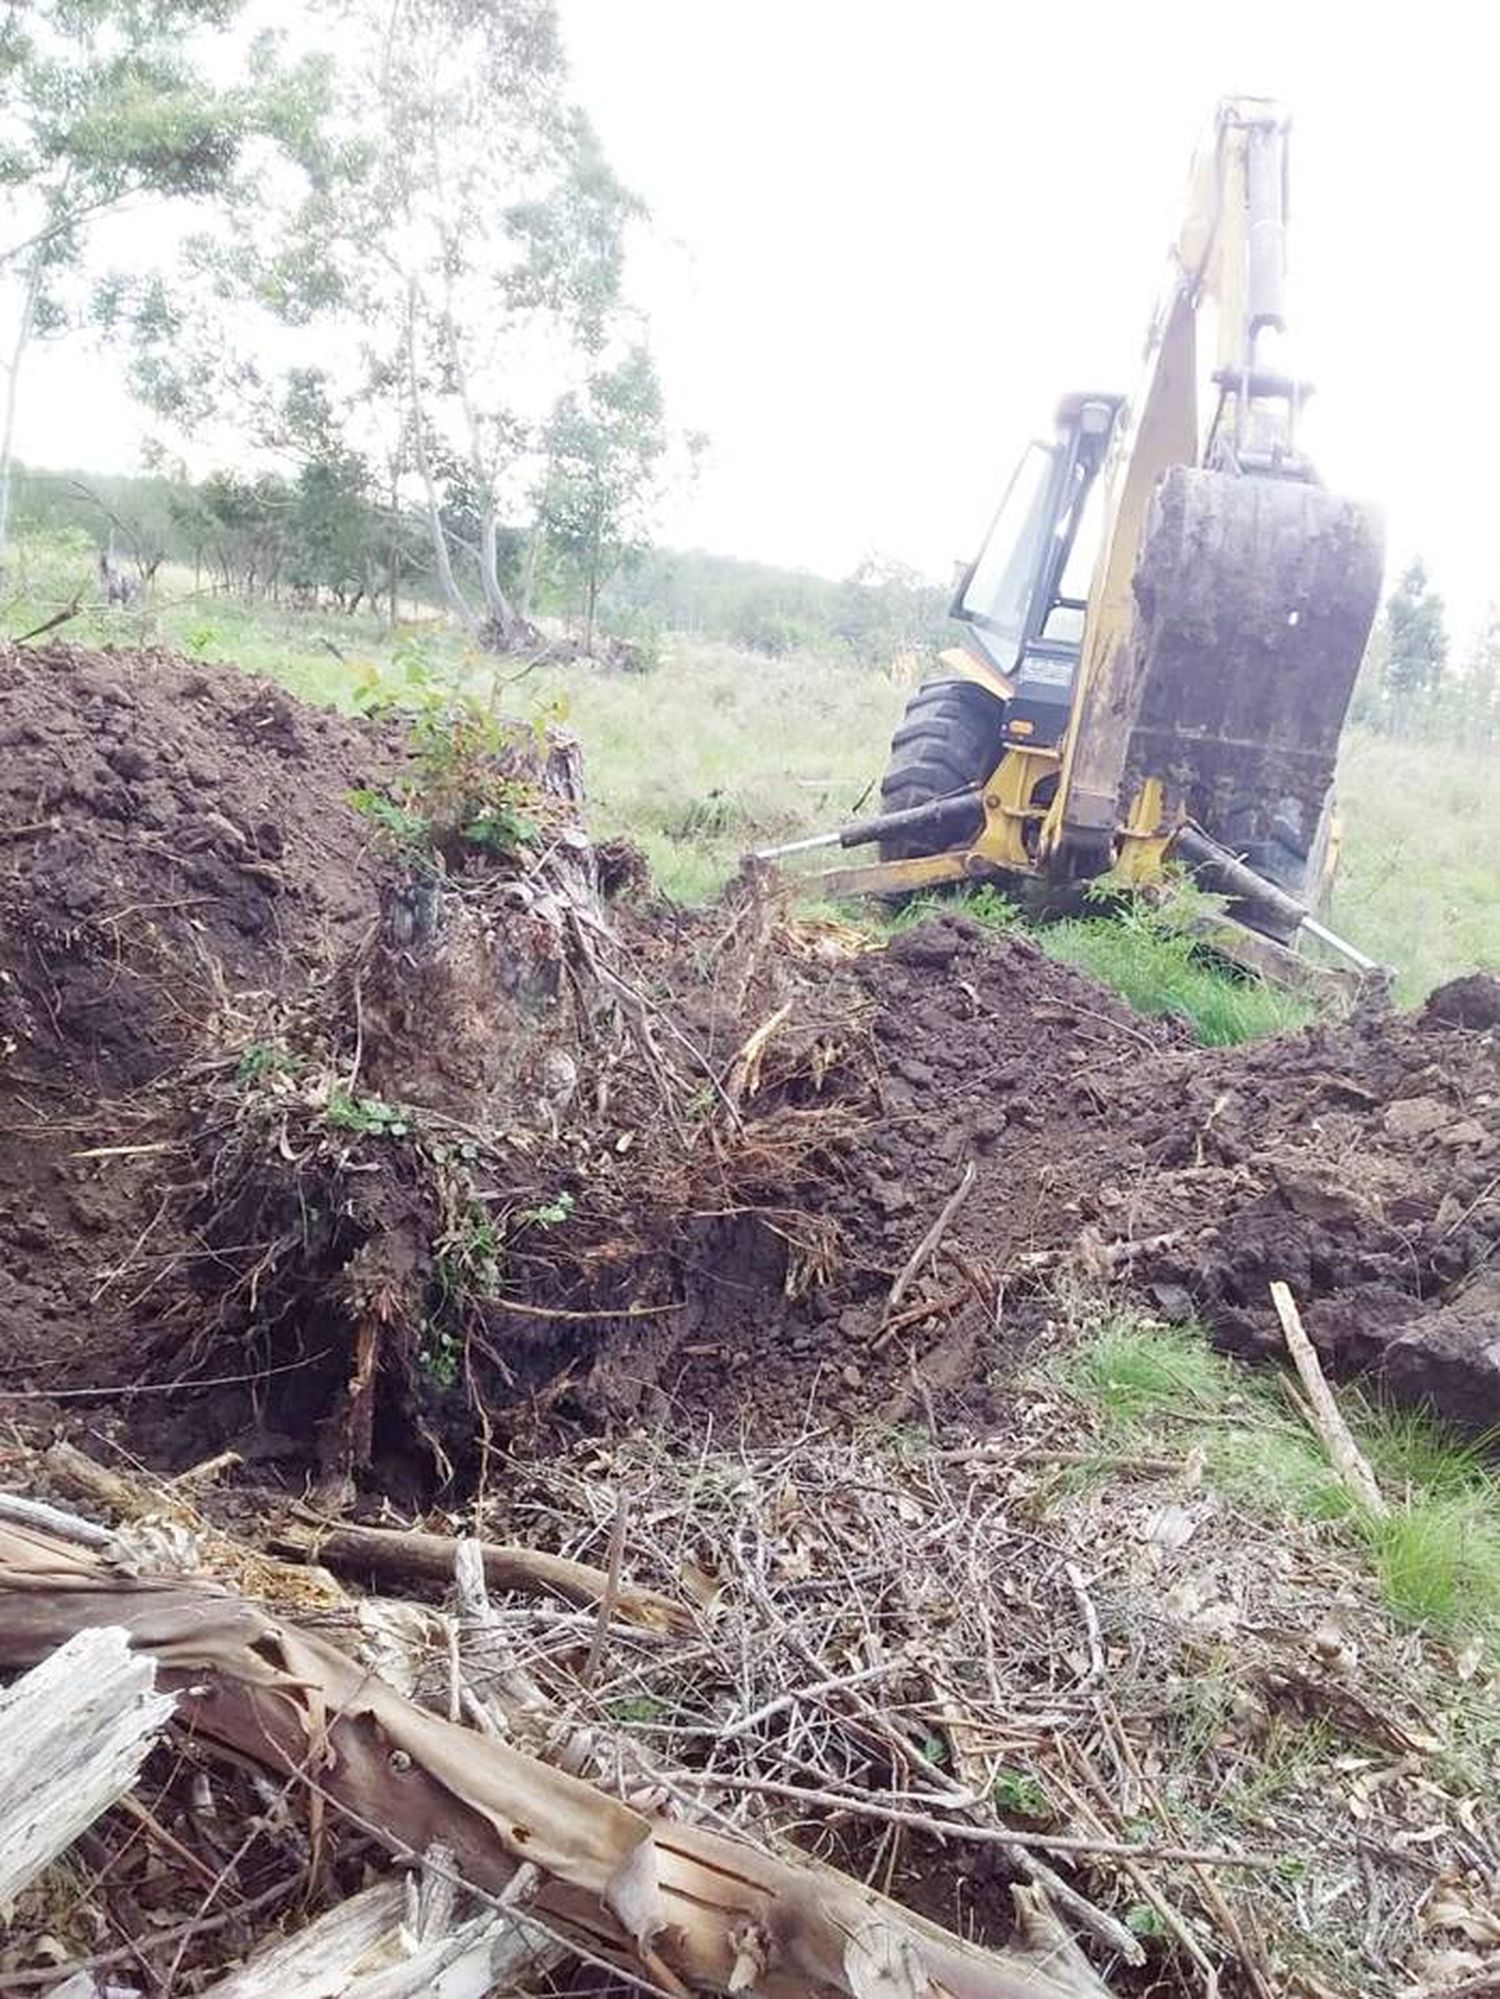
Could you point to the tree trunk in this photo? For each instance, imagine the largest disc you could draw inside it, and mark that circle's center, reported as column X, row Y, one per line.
column 591, row 599
column 534, row 543
column 505, row 629
column 458, row 603
column 496, row 603
column 395, row 553
column 502, row 629
column 12, row 379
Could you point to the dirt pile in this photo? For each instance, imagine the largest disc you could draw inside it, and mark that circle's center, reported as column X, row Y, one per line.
column 171, row 869
column 390, row 1130
column 1358, row 1160
column 365, row 1119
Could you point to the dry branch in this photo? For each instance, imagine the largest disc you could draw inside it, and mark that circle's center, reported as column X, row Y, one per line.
column 399, row 1556
column 1344, row 1454
column 934, row 1235
column 674, row 1904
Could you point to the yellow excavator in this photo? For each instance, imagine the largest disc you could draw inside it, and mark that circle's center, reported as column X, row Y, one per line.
column 1165, row 621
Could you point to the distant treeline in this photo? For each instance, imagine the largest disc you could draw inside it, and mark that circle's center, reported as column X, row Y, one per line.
column 313, row 541
column 307, row 539
column 1414, row 683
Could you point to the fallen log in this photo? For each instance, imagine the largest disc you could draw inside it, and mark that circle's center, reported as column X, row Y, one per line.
column 675, row 1905
column 399, row 1555
column 73, row 1736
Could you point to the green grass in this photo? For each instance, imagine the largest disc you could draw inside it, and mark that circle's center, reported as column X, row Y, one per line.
column 1419, row 876
column 1144, row 955
column 1160, row 971
column 1137, row 1373
column 1438, row 1560
column 1435, row 1556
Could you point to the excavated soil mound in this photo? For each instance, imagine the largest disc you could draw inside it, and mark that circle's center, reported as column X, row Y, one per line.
column 1359, row 1161
column 696, row 1192
column 178, row 855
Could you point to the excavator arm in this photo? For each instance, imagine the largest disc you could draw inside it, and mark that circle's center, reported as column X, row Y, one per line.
column 1232, row 596
column 1226, row 613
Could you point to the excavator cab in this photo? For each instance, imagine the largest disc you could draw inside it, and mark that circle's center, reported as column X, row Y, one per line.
column 1024, row 598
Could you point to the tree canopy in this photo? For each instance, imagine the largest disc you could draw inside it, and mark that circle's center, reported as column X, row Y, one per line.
column 446, row 270
column 108, row 105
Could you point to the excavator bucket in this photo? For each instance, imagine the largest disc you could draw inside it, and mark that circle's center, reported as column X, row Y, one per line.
column 1254, row 599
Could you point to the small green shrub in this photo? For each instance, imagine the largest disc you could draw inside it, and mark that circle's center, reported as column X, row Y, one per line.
column 262, row 1059
column 547, row 1214
column 440, row 1356
column 469, row 1255
column 371, row 1117
column 407, row 830
column 462, row 794
column 1019, row 1795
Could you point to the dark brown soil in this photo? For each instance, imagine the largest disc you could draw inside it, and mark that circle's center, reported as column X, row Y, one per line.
column 177, row 858
column 711, row 1230
column 1358, row 1161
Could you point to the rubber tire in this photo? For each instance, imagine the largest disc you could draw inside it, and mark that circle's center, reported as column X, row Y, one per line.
column 949, row 740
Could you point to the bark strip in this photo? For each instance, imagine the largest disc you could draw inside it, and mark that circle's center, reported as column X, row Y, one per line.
column 674, row 1904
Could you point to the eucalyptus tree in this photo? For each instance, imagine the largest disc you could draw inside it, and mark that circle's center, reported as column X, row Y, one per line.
column 450, row 261
column 108, row 107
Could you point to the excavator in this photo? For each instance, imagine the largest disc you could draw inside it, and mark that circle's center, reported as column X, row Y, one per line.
column 1163, row 626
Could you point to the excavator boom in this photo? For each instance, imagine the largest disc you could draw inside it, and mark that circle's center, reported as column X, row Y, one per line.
column 1233, row 596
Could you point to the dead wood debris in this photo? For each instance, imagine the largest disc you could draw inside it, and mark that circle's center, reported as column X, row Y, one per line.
column 677, row 1907
column 392, row 1556
column 891, row 1662
column 73, row 1736
column 1323, row 1411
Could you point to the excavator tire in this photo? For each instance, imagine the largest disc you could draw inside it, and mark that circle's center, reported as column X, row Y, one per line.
column 948, row 741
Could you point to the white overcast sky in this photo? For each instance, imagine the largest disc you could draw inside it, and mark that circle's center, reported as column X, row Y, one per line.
column 889, row 233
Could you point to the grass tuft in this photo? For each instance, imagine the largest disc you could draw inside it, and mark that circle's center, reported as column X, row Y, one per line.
column 1139, row 1373
column 1435, row 1556
column 1438, row 1560
column 1159, row 971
